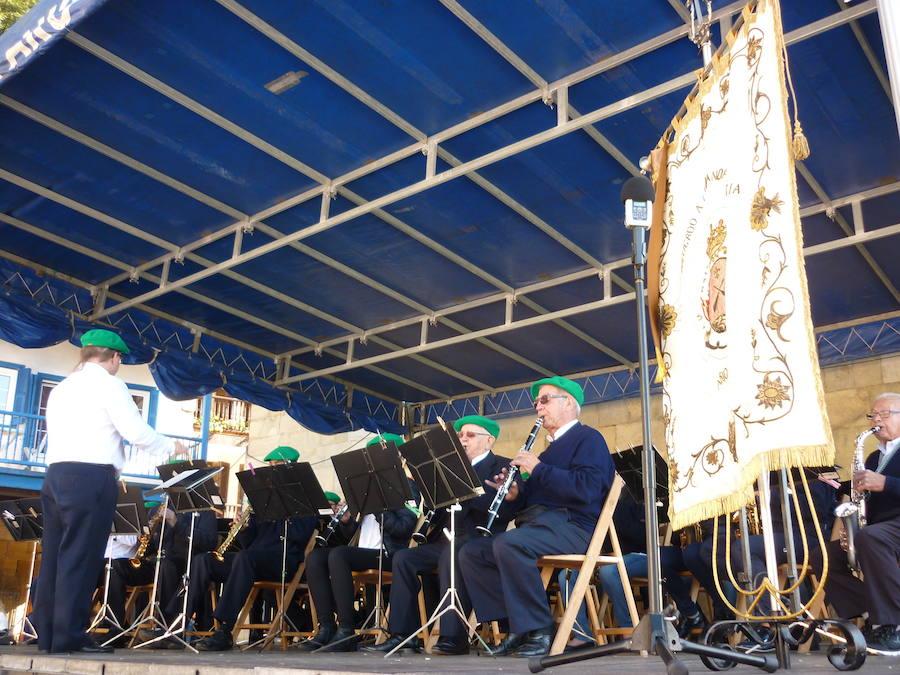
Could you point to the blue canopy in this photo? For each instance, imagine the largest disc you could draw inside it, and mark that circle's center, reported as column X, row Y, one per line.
column 340, row 209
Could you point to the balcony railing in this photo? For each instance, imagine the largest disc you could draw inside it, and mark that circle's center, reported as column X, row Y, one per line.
column 23, row 443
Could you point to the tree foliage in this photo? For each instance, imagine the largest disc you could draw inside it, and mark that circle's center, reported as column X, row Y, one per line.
column 12, row 10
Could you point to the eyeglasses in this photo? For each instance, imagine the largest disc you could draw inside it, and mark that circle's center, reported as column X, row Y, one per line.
column 545, row 399
column 470, row 434
column 880, row 415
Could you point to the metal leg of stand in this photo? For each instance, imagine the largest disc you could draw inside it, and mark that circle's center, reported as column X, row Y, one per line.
column 282, row 610
column 454, row 604
column 105, row 613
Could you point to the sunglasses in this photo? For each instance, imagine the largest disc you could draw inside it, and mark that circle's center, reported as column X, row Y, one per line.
column 545, row 399
column 470, row 434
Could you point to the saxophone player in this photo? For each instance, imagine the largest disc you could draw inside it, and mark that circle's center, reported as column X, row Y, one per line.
column 560, row 503
column 259, row 560
column 477, row 435
column 878, row 543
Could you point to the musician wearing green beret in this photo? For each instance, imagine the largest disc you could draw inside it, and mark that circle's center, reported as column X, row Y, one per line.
column 557, row 509
column 477, row 435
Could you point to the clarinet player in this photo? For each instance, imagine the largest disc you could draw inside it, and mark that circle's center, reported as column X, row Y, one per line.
column 559, row 504
column 878, row 543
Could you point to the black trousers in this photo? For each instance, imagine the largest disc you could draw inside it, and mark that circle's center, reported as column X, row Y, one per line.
column 237, row 572
column 330, row 579
column 406, row 567
column 123, row 574
column 79, row 500
column 501, row 572
column 878, row 552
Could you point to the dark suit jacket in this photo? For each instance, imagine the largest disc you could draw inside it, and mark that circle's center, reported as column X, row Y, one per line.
column 884, row 505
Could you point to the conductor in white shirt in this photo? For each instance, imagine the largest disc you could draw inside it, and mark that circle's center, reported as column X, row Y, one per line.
column 89, row 415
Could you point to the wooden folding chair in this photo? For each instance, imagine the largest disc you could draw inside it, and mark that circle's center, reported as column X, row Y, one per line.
column 290, row 589
column 586, row 564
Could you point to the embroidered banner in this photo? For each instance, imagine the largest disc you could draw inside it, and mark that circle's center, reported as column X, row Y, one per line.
column 742, row 390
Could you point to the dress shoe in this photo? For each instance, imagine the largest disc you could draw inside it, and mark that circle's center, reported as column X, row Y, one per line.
column 219, row 641
column 345, row 640
column 320, row 639
column 451, row 646
column 537, row 643
column 509, row 644
column 92, row 648
column 414, row 645
column 886, row 639
column 692, row 625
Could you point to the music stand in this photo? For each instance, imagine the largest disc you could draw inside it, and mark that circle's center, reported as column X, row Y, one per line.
column 194, row 492
column 24, row 520
column 444, row 473
column 373, row 481
column 202, row 496
column 279, row 493
column 129, row 518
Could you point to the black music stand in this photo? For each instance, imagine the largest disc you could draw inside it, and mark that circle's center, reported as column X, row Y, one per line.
column 444, row 473
column 282, row 492
column 192, row 492
column 373, row 481
column 24, row 520
column 129, row 518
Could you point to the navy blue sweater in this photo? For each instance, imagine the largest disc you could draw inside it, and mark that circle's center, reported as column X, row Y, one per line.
column 575, row 473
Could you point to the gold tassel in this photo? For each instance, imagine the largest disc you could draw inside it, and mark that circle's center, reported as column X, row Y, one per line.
column 799, row 145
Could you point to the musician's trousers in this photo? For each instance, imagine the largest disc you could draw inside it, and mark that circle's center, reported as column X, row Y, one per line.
column 238, row 572
column 78, row 500
column 698, row 560
column 329, row 575
column 501, row 572
column 406, row 567
column 878, row 552
column 123, row 574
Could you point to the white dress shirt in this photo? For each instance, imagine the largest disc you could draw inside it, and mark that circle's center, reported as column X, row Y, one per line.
column 90, row 413
column 121, row 546
column 370, row 532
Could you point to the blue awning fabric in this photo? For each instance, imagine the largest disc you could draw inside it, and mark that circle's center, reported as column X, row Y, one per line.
column 35, row 315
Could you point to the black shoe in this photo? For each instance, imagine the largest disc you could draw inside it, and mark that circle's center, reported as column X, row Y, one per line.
column 345, row 640
column 92, row 648
column 509, row 644
column 414, row 645
column 219, row 641
column 451, row 646
column 320, row 639
column 536, row 644
column 692, row 625
column 886, row 639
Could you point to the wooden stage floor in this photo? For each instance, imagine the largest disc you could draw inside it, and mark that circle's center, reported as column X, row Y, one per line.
column 26, row 659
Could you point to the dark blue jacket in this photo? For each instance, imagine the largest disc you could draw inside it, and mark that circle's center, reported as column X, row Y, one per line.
column 266, row 536
column 575, row 473
column 398, row 525
column 204, row 534
column 885, row 505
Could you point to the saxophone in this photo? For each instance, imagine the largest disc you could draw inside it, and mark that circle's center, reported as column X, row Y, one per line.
column 144, row 539
column 853, row 513
column 236, row 527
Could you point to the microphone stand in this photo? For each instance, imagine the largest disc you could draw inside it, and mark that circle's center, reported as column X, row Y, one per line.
column 654, row 634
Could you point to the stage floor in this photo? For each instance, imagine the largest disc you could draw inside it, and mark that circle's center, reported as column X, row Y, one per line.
column 26, row 659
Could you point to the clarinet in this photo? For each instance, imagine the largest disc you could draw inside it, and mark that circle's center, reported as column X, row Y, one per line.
column 420, row 535
column 322, row 539
column 502, row 491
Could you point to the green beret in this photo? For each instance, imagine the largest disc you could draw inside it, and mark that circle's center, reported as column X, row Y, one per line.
column 387, row 438
column 333, row 497
column 151, row 505
column 563, row 383
column 283, row 452
column 99, row 337
column 488, row 425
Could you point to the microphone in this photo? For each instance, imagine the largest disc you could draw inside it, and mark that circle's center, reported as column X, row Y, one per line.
column 637, row 195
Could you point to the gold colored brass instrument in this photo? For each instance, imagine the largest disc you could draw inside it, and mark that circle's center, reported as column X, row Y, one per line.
column 510, row 477
column 853, row 513
column 236, row 527
column 144, row 539
column 753, row 526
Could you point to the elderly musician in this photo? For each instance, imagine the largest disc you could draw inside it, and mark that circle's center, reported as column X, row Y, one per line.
column 477, row 435
column 259, row 560
column 560, row 502
column 878, row 543
column 329, row 571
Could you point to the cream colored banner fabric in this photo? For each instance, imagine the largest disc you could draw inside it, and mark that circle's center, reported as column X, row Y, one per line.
column 742, row 390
